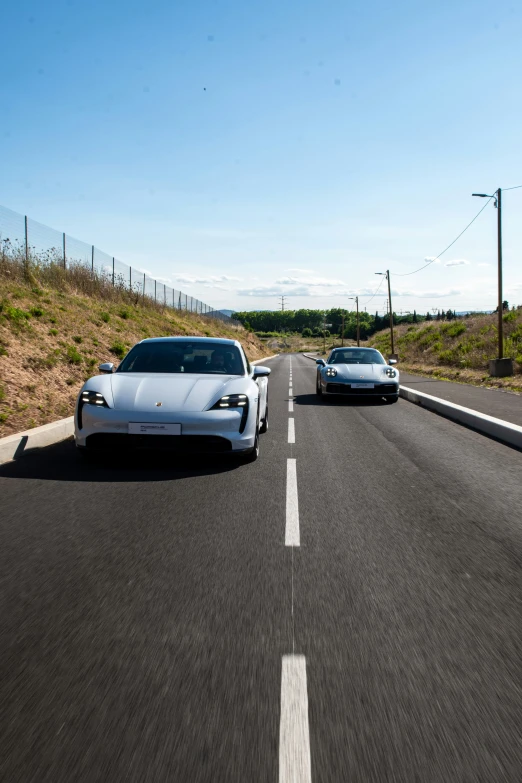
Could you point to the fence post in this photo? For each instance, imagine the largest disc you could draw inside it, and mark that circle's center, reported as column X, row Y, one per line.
column 173, row 305
column 155, row 287
column 130, row 278
column 26, row 248
column 164, row 295
column 144, row 286
column 92, row 259
column 113, row 271
column 179, row 301
column 64, row 256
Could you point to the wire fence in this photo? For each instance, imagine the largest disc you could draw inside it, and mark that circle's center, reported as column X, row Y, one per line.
column 40, row 247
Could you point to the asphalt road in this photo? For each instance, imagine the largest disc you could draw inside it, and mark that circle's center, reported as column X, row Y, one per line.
column 155, row 626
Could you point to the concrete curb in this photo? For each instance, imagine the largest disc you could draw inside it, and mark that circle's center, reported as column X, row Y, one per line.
column 14, row 446
column 499, row 429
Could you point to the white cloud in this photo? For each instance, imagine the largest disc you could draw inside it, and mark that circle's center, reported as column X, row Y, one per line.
column 426, row 294
column 300, row 271
column 432, row 260
column 209, row 282
column 458, row 262
column 314, row 281
column 277, row 290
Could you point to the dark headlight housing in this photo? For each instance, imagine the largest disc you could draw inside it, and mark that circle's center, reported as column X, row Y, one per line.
column 390, row 372
column 331, row 372
column 234, row 401
column 90, row 397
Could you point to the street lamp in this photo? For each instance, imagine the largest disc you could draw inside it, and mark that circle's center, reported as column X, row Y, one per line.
column 500, row 366
column 356, row 298
column 387, row 276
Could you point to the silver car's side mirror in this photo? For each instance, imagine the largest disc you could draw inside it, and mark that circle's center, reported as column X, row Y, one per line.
column 106, row 367
column 392, row 361
column 321, row 362
column 261, row 372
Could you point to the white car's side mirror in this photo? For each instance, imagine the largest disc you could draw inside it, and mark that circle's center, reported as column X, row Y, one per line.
column 261, row 372
column 106, row 367
column 392, row 361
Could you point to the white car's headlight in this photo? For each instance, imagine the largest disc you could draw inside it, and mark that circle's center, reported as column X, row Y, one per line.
column 331, row 372
column 93, row 398
column 231, row 401
column 234, row 401
column 390, row 372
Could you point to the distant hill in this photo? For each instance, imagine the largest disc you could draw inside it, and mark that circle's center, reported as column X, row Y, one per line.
column 228, row 312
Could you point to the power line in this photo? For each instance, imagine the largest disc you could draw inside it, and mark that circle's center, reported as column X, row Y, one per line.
column 406, row 274
column 377, row 291
column 515, row 187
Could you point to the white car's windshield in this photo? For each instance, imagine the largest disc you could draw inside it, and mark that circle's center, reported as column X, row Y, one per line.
column 353, row 356
column 184, row 357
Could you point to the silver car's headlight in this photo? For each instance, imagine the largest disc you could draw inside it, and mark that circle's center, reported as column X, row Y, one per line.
column 93, row 398
column 390, row 372
column 331, row 372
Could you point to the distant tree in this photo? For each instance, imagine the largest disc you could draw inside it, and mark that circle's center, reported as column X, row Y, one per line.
column 414, row 317
column 429, row 316
column 307, row 332
column 449, row 315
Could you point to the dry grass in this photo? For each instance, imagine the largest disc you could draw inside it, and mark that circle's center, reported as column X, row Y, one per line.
column 55, row 330
column 457, row 350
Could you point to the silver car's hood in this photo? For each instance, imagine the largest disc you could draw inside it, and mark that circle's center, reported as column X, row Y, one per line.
column 176, row 392
column 363, row 372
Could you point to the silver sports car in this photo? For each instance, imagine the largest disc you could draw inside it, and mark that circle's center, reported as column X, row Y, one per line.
column 181, row 394
column 358, row 372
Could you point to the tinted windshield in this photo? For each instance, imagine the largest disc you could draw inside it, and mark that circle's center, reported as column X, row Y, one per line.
column 369, row 356
column 182, row 357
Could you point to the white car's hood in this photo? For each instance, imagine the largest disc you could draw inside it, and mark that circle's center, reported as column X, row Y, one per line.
column 364, row 372
column 176, row 392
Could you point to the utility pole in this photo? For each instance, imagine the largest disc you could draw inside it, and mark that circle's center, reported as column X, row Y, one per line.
column 501, row 366
column 342, row 333
column 387, row 275
column 358, row 326
column 282, row 298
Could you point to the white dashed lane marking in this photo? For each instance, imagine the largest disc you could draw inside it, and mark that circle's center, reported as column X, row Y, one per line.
column 294, row 732
column 291, row 431
column 292, row 537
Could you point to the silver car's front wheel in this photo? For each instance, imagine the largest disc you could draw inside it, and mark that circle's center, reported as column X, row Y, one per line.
column 319, row 389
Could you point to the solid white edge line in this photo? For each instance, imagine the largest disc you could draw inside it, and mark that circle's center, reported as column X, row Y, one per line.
column 291, row 430
column 295, row 765
column 292, row 537
column 290, row 406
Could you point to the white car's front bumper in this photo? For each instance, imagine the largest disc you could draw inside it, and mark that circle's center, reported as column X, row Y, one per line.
column 105, row 428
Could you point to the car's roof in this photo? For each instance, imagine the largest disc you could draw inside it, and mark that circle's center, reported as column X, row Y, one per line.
column 353, row 348
column 188, row 338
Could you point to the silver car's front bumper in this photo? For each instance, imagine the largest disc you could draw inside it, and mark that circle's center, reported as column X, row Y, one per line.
column 348, row 388
column 106, row 428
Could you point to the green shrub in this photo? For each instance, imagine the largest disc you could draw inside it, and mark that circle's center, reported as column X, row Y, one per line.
column 53, row 332
column 37, row 312
column 3, row 350
column 124, row 314
column 78, row 339
column 52, row 320
column 512, row 315
column 307, row 332
column 14, row 314
column 105, row 317
column 37, row 291
column 2, row 394
column 73, row 357
column 118, row 349
column 453, row 330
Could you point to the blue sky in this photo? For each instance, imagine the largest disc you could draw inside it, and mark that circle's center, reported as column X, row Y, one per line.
column 244, row 150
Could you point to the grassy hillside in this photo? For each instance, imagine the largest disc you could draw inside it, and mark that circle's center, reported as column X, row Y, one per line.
column 459, row 349
column 55, row 332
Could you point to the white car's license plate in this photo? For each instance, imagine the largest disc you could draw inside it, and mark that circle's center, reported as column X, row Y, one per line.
column 362, row 385
column 154, row 428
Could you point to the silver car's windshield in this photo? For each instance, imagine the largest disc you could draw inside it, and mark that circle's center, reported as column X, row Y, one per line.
column 203, row 358
column 354, row 356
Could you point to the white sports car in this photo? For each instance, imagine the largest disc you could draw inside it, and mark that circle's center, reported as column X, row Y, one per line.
column 358, row 372
column 181, row 394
